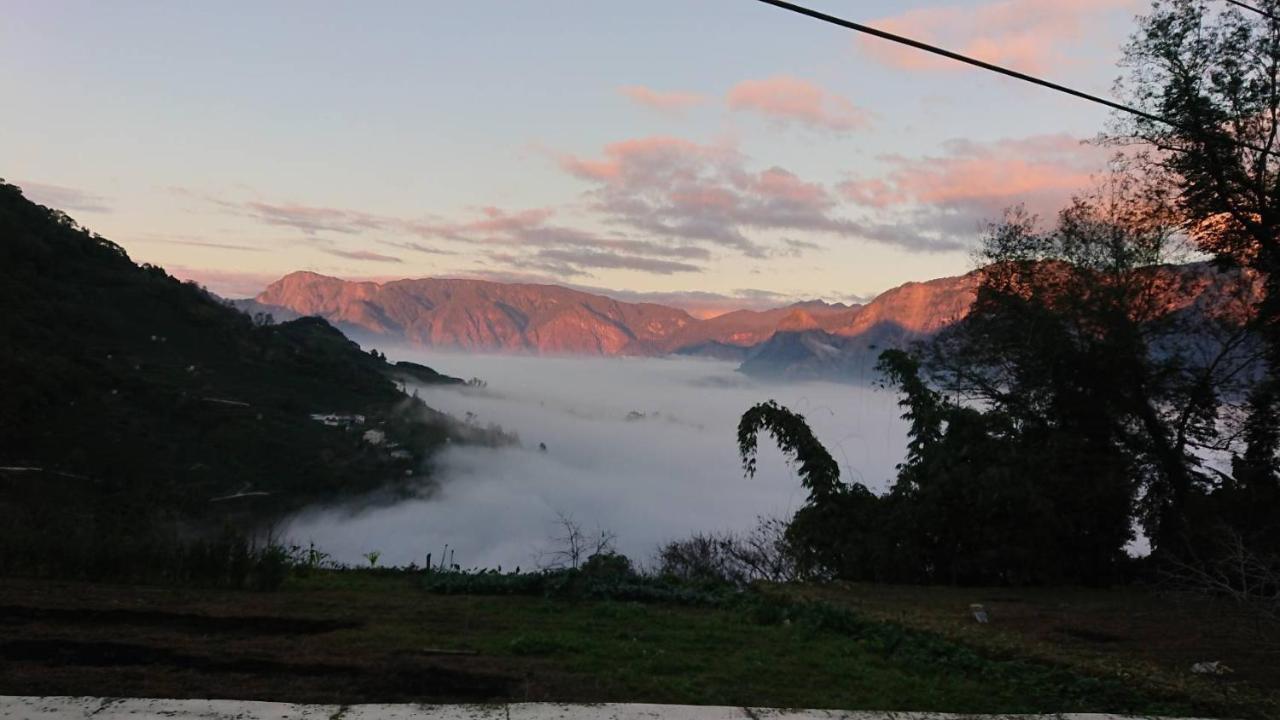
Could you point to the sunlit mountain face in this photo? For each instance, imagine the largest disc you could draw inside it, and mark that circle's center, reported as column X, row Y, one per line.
column 802, row 340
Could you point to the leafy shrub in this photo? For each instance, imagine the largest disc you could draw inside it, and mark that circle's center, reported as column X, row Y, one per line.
column 608, row 565
column 766, row 553
column 602, row 577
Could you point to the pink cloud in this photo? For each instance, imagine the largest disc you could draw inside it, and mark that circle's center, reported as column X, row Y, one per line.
column 677, row 190
column 497, row 219
column 1028, row 35
column 227, row 283
column 784, row 185
column 633, row 160
column 1041, row 171
column 787, row 99
column 492, row 232
column 658, row 100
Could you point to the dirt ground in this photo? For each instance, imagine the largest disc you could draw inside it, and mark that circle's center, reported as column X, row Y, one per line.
column 68, row 638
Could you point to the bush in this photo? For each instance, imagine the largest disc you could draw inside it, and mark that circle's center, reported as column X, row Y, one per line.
column 607, row 576
column 608, row 566
column 766, row 553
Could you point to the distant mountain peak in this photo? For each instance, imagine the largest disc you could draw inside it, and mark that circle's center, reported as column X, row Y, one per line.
column 797, row 319
column 822, row 305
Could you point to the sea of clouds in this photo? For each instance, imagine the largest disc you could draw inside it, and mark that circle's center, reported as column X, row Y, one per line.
column 643, row 448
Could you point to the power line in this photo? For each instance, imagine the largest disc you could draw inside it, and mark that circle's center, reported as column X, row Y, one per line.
column 1254, row 8
column 934, row 49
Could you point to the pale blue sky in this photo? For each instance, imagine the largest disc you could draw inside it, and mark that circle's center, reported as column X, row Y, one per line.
column 234, row 142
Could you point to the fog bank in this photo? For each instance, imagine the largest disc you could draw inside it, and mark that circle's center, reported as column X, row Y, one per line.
column 645, row 448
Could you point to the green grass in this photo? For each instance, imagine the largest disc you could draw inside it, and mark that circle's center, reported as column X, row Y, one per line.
column 1143, row 636
column 389, row 639
column 756, row 651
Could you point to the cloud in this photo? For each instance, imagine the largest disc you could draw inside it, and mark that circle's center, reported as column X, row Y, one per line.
column 585, row 258
column 953, row 194
column 1027, row 35
column 196, row 242
column 789, row 100
column 362, row 255
column 795, row 248
column 563, row 251
column 656, row 205
column 524, row 238
column 64, row 198
column 701, row 303
column 671, row 474
column 218, row 246
column 497, row 220
column 417, row 247
column 672, row 102
column 649, row 247
column 693, row 193
column 533, row 239
column 1043, row 171
column 311, row 219
column 226, row 283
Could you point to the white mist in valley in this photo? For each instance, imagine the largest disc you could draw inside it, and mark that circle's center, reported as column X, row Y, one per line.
column 643, row 448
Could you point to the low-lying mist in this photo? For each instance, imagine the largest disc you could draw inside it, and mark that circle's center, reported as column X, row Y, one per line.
column 644, row 448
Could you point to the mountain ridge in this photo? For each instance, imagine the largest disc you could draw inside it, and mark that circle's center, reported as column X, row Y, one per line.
column 490, row 316
column 481, row 315
column 808, row 339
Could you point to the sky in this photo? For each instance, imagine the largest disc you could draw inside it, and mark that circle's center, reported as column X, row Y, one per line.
column 712, row 154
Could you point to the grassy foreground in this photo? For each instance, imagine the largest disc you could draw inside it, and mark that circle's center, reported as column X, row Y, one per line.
column 364, row 637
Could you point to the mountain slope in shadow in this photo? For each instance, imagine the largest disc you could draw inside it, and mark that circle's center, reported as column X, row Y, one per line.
column 130, row 393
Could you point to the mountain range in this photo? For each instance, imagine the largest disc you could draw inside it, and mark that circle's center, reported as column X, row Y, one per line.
column 807, row 339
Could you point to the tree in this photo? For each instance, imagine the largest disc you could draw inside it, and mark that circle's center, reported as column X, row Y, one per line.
column 1085, row 335
column 819, row 473
column 983, row 497
column 1214, row 74
column 573, row 546
column 1087, row 374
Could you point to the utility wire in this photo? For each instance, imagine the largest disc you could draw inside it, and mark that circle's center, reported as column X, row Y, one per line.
column 1254, row 8
column 934, row 49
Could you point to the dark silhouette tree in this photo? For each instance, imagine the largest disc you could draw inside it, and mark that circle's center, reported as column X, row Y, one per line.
column 819, row 473
column 1086, row 375
column 1214, row 73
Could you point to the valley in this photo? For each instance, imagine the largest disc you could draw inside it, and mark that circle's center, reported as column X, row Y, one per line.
column 639, row 447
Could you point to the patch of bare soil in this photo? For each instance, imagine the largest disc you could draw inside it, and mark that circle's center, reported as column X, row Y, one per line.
column 241, row 625
column 58, row 639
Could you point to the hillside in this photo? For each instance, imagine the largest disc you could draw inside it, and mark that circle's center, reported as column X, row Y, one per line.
column 848, row 350
column 481, row 316
column 745, row 329
column 130, row 395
